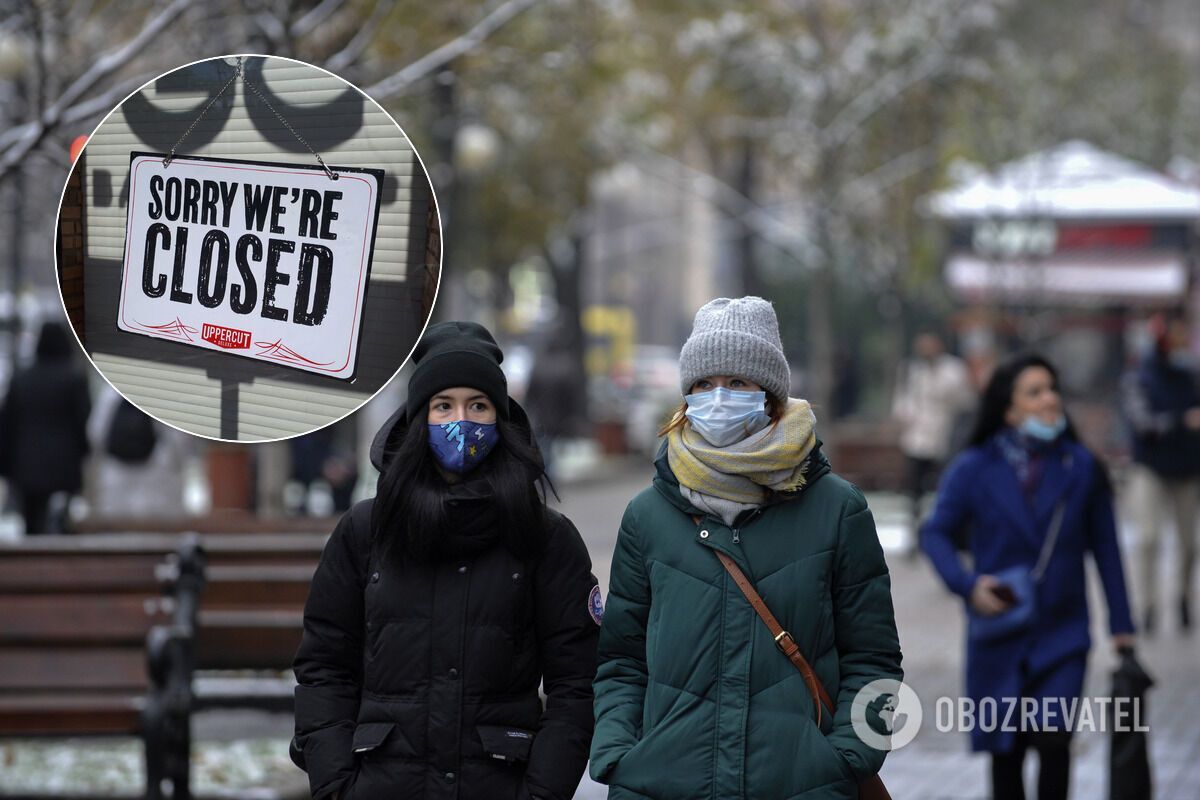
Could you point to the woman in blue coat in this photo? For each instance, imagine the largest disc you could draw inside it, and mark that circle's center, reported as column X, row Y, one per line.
column 1025, row 491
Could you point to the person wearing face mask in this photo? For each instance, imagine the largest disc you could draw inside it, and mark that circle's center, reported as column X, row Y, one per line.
column 1033, row 502
column 1161, row 402
column 694, row 697
column 440, row 606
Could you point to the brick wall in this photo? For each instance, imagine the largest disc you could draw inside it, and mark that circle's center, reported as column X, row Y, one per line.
column 70, row 248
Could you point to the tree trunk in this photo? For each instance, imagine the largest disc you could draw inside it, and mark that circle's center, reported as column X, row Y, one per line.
column 746, row 185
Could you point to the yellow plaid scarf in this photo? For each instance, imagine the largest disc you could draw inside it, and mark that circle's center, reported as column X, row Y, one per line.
column 775, row 458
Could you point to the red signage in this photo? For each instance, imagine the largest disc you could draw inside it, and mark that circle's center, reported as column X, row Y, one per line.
column 228, row 338
column 1079, row 237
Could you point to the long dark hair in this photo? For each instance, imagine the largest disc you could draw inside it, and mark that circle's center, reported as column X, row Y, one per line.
column 998, row 395
column 409, row 514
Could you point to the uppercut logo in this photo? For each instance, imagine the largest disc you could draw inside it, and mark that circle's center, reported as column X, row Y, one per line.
column 228, row 338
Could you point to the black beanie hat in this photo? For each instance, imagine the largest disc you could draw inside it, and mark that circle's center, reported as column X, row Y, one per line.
column 456, row 354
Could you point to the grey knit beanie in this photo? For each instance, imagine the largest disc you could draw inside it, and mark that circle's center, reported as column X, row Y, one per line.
column 736, row 337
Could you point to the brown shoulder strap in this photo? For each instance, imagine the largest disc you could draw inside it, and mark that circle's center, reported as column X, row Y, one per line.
column 782, row 638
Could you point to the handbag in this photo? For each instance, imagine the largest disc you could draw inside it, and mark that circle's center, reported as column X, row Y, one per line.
column 871, row 788
column 1023, row 582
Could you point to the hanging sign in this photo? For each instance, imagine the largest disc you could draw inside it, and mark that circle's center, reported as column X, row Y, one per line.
column 260, row 260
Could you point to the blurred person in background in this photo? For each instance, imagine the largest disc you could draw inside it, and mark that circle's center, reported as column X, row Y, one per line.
column 320, row 456
column 43, row 431
column 139, row 462
column 441, row 605
column 1161, row 402
column 1033, row 500
column 553, row 392
column 932, row 394
column 693, row 697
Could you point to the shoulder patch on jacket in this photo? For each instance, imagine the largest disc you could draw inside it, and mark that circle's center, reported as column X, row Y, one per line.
column 596, row 604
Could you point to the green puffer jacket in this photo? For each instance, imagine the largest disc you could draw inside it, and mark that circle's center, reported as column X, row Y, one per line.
column 692, row 697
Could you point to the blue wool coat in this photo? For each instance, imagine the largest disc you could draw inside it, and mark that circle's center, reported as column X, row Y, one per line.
column 980, row 491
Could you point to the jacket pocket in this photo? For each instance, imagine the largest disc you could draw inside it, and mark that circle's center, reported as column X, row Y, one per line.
column 506, row 743
column 839, row 760
column 369, row 735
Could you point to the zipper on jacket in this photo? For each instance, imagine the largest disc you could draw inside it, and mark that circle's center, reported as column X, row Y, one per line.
column 737, row 538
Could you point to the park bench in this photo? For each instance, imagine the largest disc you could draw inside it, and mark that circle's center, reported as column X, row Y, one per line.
column 251, row 613
column 101, row 646
column 251, row 618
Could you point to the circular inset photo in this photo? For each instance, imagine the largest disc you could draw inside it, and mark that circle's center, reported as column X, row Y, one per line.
column 249, row 248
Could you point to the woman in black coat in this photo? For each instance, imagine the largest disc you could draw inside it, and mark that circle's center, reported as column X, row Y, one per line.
column 439, row 607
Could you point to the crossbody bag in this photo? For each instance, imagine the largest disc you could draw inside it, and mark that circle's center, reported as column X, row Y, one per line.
column 1024, row 582
column 871, row 788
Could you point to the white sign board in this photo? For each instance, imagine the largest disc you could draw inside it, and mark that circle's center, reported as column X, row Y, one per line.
column 265, row 261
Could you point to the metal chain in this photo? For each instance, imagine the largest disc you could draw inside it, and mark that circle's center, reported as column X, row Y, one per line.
column 332, row 175
column 240, row 73
column 236, row 73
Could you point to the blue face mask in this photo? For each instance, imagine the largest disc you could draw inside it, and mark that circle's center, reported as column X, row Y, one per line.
column 1034, row 428
column 461, row 445
column 724, row 416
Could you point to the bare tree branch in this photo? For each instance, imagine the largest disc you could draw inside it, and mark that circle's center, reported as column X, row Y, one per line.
column 272, row 28
column 397, row 83
column 309, row 22
column 111, row 62
column 356, row 46
column 883, row 90
column 31, row 134
column 80, row 111
column 886, row 175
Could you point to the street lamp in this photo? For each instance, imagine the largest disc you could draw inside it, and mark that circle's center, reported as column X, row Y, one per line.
column 476, row 149
column 13, row 55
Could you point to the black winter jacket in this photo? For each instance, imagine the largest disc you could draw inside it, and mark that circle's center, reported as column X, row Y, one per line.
column 1155, row 397
column 43, row 428
column 421, row 680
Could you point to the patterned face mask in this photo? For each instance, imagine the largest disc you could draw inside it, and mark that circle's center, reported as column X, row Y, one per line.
column 460, row 446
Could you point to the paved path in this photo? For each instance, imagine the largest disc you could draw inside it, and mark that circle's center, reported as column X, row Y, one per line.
column 938, row 765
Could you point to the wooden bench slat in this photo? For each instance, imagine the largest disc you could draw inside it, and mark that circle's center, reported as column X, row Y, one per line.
column 226, row 522
column 242, row 639
column 122, row 574
column 79, row 619
column 39, row 714
column 277, row 548
column 66, row 669
column 257, row 586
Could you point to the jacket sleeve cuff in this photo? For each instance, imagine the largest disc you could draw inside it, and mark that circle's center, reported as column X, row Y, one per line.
column 601, row 767
column 963, row 584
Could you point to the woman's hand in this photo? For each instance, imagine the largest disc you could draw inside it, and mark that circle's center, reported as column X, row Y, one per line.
column 984, row 600
column 1121, row 641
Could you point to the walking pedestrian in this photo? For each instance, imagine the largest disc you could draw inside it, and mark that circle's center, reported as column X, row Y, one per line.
column 1034, row 501
column 693, row 696
column 43, row 430
column 933, row 392
column 440, row 605
column 1161, row 402
column 138, row 462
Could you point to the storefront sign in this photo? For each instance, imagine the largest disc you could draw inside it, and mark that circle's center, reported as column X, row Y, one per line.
column 260, row 260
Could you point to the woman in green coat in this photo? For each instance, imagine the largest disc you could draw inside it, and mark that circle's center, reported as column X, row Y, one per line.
column 693, row 698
